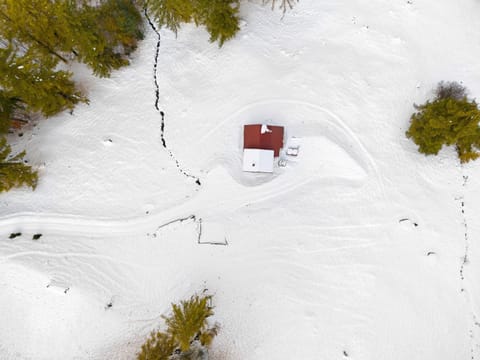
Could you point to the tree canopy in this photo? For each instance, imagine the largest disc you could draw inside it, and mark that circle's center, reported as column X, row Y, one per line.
column 32, row 80
column 449, row 119
column 220, row 17
column 99, row 36
column 188, row 334
column 39, row 39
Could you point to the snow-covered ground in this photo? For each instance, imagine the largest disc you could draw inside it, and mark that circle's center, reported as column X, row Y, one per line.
column 360, row 248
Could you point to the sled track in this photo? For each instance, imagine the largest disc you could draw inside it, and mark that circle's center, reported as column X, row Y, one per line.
column 157, row 107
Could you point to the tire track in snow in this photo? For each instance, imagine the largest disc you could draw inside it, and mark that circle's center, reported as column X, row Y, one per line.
column 80, row 226
column 157, row 107
column 38, row 253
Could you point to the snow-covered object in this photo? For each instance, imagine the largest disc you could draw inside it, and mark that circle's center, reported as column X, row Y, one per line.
column 197, row 352
column 258, row 160
column 257, row 136
column 264, row 129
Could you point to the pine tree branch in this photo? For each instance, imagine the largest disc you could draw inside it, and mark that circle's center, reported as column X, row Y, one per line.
column 38, row 41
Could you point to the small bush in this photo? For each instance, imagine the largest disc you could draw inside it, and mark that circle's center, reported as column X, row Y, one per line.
column 450, row 119
column 188, row 333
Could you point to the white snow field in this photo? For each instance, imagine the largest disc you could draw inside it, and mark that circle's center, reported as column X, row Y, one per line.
column 360, row 248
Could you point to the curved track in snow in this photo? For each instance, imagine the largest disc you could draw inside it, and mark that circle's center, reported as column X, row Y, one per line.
column 358, row 152
column 220, row 186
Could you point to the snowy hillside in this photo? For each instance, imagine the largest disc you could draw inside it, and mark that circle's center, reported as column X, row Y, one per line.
column 360, row 248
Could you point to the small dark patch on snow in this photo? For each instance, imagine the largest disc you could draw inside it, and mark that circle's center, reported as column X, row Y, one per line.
column 14, row 235
column 20, row 134
column 36, row 236
column 66, row 290
column 407, row 219
column 345, row 353
column 431, row 253
column 109, row 305
column 107, row 141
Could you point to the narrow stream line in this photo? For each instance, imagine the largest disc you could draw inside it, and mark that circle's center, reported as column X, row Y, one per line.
column 157, row 107
column 197, row 220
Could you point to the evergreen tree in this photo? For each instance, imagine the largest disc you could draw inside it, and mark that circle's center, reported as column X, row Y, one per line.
column 36, row 35
column 32, row 80
column 121, row 23
column 189, row 320
column 43, row 24
column 100, row 36
column 450, row 119
column 188, row 333
column 220, row 17
column 171, row 13
column 159, row 346
column 13, row 171
column 106, row 34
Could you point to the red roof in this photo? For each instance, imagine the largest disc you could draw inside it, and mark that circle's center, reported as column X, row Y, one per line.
column 270, row 139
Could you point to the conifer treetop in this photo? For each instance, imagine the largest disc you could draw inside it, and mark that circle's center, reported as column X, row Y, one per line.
column 449, row 119
column 188, row 334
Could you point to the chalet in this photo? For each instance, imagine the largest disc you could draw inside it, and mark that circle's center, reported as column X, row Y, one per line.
column 261, row 144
